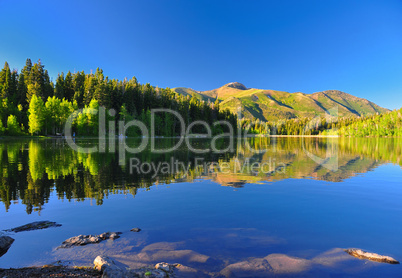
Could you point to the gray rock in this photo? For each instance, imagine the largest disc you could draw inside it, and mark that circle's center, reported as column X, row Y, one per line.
column 88, row 239
column 38, row 225
column 5, row 243
column 101, row 262
column 109, row 268
column 136, row 230
column 165, row 267
column 113, row 269
column 358, row 253
column 236, row 85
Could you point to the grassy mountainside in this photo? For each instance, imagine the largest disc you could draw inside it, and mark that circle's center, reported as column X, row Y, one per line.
column 269, row 105
column 194, row 93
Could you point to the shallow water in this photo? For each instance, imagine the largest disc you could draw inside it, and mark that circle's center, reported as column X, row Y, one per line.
column 305, row 199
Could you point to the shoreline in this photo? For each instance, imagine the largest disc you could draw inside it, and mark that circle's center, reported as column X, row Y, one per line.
column 50, row 271
column 4, row 138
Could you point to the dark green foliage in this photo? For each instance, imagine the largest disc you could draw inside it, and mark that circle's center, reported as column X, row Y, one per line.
column 129, row 99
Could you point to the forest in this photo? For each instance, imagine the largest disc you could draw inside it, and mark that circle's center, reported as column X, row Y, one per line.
column 378, row 125
column 31, row 103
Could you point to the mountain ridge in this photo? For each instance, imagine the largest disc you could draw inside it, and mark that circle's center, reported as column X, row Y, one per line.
column 269, row 105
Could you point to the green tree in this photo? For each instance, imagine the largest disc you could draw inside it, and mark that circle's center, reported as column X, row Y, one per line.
column 5, row 81
column 52, row 114
column 12, row 125
column 36, row 116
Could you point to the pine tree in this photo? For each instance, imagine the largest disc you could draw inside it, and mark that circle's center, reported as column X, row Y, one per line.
column 59, row 90
column 22, row 91
column 69, row 87
column 5, row 80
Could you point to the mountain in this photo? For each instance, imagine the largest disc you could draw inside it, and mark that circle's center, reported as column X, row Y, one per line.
column 269, row 105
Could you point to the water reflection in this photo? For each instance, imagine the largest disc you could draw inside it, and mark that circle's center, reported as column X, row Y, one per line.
column 32, row 170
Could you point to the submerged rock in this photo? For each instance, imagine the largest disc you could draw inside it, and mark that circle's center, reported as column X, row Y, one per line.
column 358, row 253
column 5, row 243
column 38, row 225
column 136, row 230
column 271, row 265
column 88, row 239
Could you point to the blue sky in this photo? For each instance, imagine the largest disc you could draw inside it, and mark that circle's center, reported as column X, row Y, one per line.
column 294, row 46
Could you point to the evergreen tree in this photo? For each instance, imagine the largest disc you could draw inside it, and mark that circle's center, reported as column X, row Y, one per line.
column 68, row 87
column 5, row 81
column 22, row 91
column 59, row 90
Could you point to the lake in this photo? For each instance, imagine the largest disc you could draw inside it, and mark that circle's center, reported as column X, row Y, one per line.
column 295, row 203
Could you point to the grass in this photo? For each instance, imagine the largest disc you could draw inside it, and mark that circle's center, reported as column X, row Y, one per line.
column 271, row 105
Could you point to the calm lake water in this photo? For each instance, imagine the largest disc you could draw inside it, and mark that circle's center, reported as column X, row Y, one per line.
column 298, row 201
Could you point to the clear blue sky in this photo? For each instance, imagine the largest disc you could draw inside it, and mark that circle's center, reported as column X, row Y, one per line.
column 306, row 46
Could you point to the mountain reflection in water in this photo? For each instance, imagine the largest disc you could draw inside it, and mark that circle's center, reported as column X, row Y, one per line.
column 33, row 169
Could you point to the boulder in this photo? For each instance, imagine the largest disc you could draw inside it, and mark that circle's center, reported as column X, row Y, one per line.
column 88, row 239
column 358, row 253
column 38, row 225
column 165, row 267
column 111, row 268
column 5, row 243
column 136, row 230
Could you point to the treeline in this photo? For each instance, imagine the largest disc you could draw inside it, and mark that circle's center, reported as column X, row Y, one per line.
column 297, row 126
column 386, row 124
column 378, row 125
column 32, row 103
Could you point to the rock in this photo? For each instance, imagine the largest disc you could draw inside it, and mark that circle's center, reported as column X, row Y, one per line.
column 282, row 263
column 5, row 243
column 113, row 235
column 136, row 230
column 148, row 273
column 358, row 253
column 165, row 267
column 88, row 239
column 101, row 262
column 109, row 267
column 49, row 271
column 38, row 225
column 236, row 85
column 258, row 267
column 268, row 266
column 112, row 269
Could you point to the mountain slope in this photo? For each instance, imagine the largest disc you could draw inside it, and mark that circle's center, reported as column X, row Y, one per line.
column 268, row 105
